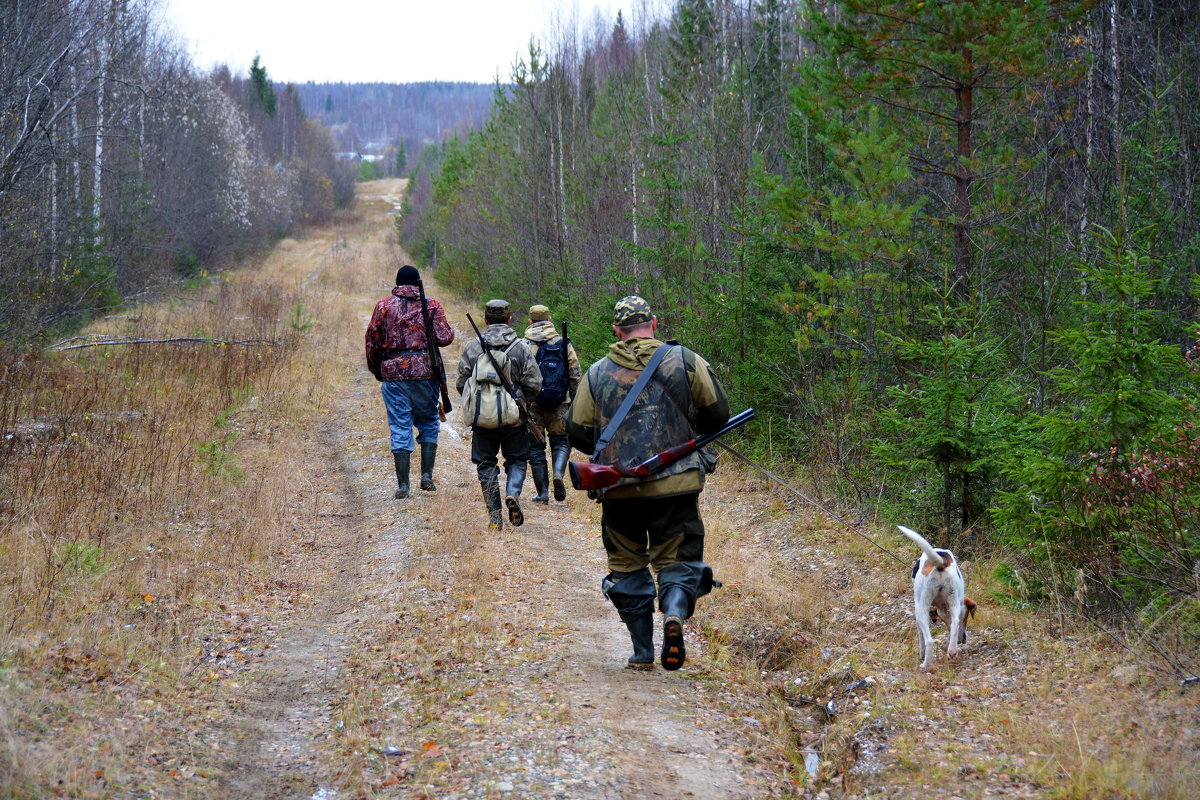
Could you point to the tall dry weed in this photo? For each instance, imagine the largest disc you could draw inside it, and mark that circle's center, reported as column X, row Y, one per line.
column 141, row 481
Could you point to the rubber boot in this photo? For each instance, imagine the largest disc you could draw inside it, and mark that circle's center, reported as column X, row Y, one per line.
column 401, row 460
column 516, row 477
column 641, row 631
column 491, row 499
column 428, row 456
column 560, row 452
column 540, row 481
column 675, row 611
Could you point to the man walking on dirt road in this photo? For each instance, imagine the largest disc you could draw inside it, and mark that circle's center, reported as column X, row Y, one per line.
column 559, row 365
column 497, row 416
column 399, row 356
column 652, row 521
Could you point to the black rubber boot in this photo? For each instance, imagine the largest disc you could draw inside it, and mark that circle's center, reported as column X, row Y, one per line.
column 675, row 611
column 491, row 499
column 401, row 460
column 560, row 452
column 641, row 631
column 428, row 456
column 540, row 481
column 516, row 477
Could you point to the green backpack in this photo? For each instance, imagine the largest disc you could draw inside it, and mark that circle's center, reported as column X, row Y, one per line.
column 486, row 403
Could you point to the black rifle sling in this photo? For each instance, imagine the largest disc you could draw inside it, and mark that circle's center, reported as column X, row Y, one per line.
column 436, row 366
column 635, row 392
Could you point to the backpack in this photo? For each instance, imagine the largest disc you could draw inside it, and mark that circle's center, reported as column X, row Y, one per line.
column 486, row 403
column 552, row 360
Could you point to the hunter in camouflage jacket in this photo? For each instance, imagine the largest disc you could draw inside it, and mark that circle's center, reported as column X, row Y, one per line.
column 396, row 344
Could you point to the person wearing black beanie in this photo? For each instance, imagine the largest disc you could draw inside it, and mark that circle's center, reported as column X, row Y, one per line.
column 407, row 276
column 398, row 355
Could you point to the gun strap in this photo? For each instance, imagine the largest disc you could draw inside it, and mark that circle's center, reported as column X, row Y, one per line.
column 610, row 430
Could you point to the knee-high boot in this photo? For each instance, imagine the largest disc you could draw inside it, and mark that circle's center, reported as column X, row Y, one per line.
column 675, row 611
column 428, row 456
column 516, row 477
column 491, row 499
column 540, row 480
column 401, row 460
column 560, row 453
column 632, row 595
column 641, row 632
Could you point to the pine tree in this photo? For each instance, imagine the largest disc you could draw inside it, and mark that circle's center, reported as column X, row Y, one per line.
column 1120, row 392
column 262, row 92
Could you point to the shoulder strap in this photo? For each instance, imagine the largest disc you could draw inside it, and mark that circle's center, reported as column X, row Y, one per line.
column 635, row 392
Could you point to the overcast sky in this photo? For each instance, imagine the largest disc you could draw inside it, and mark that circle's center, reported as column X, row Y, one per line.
column 392, row 41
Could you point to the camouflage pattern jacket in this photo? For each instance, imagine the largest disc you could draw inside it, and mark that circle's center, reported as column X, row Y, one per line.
column 524, row 373
column 543, row 331
column 396, row 345
column 682, row 399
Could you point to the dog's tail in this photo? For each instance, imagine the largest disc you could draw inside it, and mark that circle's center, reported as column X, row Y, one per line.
column 925, row 546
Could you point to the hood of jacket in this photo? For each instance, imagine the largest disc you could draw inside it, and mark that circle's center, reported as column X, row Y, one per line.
column 411, row 292
column 633, row 353
column 499, row 335
column 541, row 331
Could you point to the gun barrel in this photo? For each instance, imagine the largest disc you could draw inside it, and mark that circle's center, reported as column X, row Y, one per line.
column 735, row 421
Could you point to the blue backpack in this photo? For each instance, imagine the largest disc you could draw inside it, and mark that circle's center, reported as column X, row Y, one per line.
column 552, row 360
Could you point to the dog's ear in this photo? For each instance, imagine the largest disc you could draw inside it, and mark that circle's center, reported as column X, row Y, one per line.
column 970, row 606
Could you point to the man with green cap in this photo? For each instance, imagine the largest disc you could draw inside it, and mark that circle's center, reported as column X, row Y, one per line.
column 560, row 379
column 653, row 521
column 498, row 431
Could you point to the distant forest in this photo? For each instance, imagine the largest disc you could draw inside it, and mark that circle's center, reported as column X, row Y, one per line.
column 373, row 117
column 950, row 251
column 123, row 168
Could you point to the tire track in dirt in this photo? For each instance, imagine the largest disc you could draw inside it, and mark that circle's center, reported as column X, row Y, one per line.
column 279, row 736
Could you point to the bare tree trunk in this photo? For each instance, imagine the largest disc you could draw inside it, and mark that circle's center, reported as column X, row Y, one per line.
column 76, row 139
column 1115, row 64
column 1089, row 135
column 141, row 148
column 52, row 244
column 633, row 186
column 102, row 54
column 964, row 95
column 562, row 183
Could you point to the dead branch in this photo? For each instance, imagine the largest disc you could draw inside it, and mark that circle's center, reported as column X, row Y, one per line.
column 65, row 345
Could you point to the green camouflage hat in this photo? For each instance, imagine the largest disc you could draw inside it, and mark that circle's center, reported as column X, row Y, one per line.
column 496, row 311
column 538, row 313
column 631, row 310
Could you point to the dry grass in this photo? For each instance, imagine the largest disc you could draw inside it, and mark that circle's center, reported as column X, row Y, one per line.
column 144, row 487
column 1036, row 707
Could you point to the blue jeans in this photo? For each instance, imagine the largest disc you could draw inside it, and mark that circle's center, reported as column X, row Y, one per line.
column 410, row 403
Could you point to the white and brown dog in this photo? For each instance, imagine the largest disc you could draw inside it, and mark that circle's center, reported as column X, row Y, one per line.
column 939, row 589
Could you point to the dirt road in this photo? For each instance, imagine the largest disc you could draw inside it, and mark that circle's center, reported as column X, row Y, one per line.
column 542, row 704
column 413, row 653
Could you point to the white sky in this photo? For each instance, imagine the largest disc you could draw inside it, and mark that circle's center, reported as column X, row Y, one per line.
column 391, row 41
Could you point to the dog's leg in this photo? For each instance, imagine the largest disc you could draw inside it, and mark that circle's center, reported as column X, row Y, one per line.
column 969, row 607
column 957, row 630
column 924, row 636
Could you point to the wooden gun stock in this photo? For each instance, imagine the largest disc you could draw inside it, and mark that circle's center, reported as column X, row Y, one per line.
column 589, row 476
